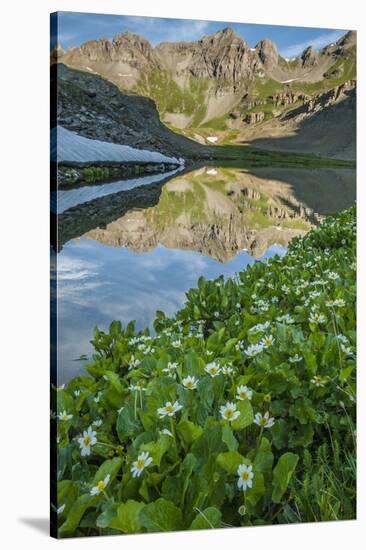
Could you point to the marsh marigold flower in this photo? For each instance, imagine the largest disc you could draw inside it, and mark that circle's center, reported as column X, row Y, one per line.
column 142, row 462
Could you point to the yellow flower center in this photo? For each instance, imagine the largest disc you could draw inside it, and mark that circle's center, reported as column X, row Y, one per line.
column 229, row 413
column 87, row 440
column 101, row 485
column 140, row 463
column 263, row 422
column 169, row 408
column 245, row 476
column 213, row 370
column 189, row 385
column 243, row 394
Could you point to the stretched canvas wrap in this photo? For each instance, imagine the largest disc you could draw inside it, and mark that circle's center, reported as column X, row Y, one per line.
column 203, row 240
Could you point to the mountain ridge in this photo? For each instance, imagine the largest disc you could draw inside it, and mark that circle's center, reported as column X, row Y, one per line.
column 218, row 85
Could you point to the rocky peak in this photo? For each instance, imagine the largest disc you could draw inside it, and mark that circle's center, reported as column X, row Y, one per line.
column 223, row 55
column 132, row 46
column 226, row 35
column 267, row 52
column 129, row 39
column 57, row 53
column 348, row 40
column 309, row 57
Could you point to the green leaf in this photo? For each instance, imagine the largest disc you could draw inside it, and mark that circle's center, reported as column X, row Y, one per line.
column 246, row 415
column 302, row 436
column 189, row 431
column 210, row 518
column 280, row 432
column 161, row 515
column 77, row 511
column 263, row 461
column 229, row 438
column 67, row 493
column 257, row 490
column 209, row 443
column 111, row 467
column 230, row 461
column 115, row 382
column 158, row 448
column 127, row 424
column 104, row 519
column 303, row 411
column 282, row 474
column 127, row 517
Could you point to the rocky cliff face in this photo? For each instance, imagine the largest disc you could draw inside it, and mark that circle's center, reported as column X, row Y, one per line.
column 222, row 56
column 322, row 124
column 97, row 109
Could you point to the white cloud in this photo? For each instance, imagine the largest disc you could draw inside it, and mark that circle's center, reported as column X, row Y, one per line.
column 316, row 43
column 71, row 269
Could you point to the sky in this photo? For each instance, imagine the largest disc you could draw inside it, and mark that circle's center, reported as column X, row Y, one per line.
column 76, row 28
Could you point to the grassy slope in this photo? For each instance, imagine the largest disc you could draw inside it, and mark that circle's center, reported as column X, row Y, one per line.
column 191, row 100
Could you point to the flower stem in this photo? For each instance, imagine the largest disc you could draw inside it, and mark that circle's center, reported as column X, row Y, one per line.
column 259, row 442
column 172, row 429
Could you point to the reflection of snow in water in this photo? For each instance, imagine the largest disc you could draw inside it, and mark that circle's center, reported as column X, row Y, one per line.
column 69, row 146
column 63, row 200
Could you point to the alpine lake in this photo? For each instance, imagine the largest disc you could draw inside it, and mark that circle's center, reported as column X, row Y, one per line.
column 128, row 248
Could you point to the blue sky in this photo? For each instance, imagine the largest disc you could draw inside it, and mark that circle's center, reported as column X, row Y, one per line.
column 76, row 28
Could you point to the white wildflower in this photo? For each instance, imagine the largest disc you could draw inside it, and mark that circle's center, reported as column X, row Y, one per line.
column 100, row 486
column 243, row 392
column 229, row 412
column 264, row 421
column 213, row 369
column 143, row 461
column 86, row 441
column 253, row 350
column 267, row 341
column 169, row 409
column 64, row 416
column 246, row 475
column 295, row 358
column 190, row 382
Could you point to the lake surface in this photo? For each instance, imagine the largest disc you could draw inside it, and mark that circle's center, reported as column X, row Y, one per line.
column 126, row 250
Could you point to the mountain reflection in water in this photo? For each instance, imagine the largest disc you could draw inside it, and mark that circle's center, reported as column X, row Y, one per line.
column 126, row 255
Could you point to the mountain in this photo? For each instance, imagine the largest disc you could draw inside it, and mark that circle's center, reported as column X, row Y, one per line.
column 312, row 126
column 95, row 108
column 218, row 88
column 219, row 212
column 196, row 83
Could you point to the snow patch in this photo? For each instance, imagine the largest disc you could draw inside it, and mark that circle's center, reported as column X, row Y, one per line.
column 212, row 139
column 290, row 80
column 212, row 172
column 69, row 146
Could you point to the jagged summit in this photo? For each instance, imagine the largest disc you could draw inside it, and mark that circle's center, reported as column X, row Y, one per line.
column 309, row 57
column 226, row 34
column 267, row 52
column 348, row 40
column 215, row 77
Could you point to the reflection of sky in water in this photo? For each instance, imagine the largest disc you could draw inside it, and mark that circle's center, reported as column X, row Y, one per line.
column 98, row 284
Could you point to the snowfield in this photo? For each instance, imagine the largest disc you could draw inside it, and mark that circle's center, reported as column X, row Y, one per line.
column 69, row 146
